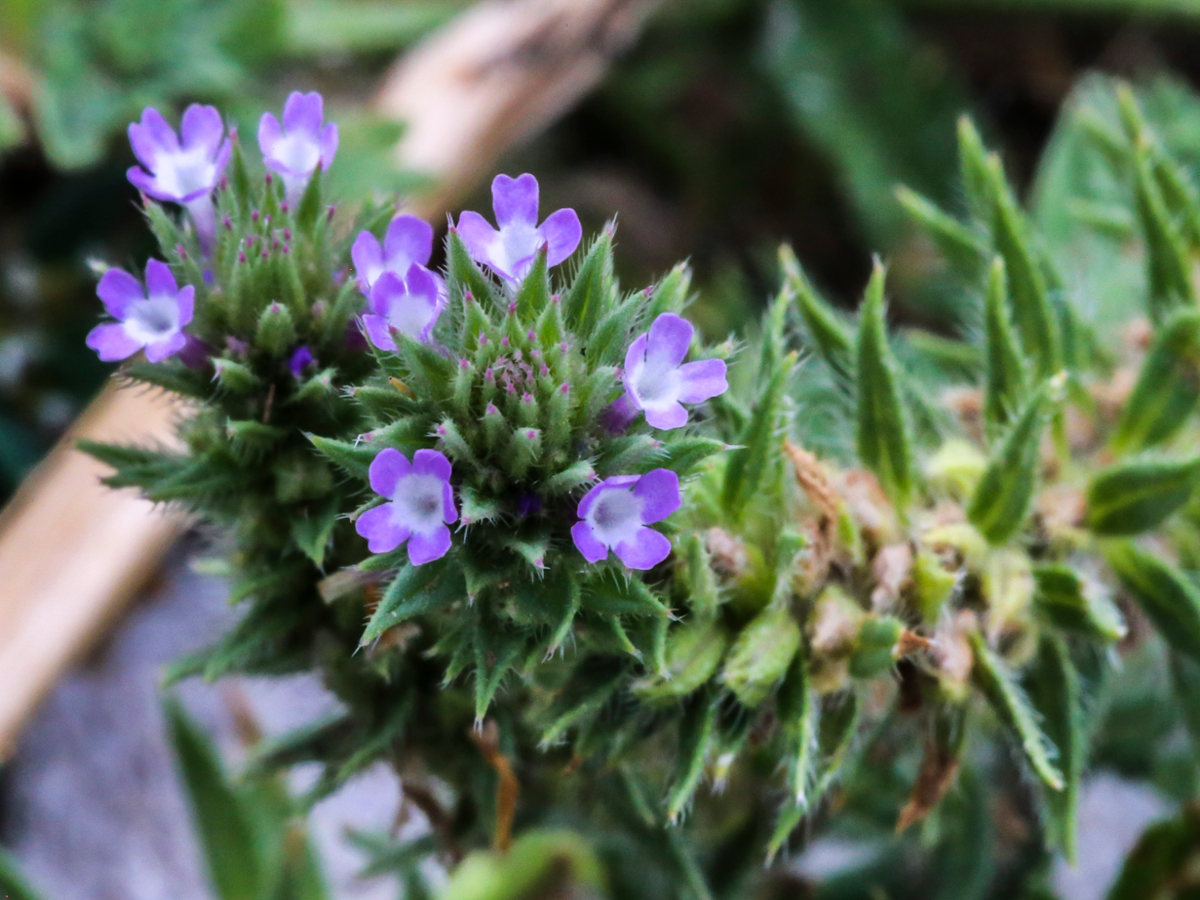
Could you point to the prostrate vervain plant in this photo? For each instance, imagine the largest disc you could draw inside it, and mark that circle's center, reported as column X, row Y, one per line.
column 594, row 575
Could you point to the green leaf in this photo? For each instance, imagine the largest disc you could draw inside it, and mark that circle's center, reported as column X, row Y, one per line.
column 695, row 743
column 414, row 590
column 313, row 530
column 1166, row 595
column 1161, row 860
column 13, row 885
column 797, row 705
column 355, row 458
column 1072, row 604
column 973, row 170
column 882, row 427
column 619, row 596
column 827, row 331
column 750, row 463
column 1167, row 264
column 692, row 656
column 1167, row 388
column 959, row 244
column 1006, row 375
column 1004, row 694
column 1004, row 494
column 591, row 292
column 1138, row 495
column 224, row 825
column 761, row 655
column 1054, row 688
column 464, row 273
column 1032, row 311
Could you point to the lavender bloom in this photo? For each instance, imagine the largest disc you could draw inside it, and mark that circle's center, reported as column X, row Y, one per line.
column 658, row 383
column 410, row 307
column 182, row 169
column 420, row 505
column 510, row 251
column 614, row 515
column 152, row 318
column 408, row 243
column 301, row 359
column 300, row 145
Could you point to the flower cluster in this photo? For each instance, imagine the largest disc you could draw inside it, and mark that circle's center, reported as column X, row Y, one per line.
column 406, row 299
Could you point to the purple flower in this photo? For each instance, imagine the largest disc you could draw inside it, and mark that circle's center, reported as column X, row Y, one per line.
column 657, row 381
column 182, row 169
column 152, row 318
column 301, row 360
column 510, row 251
column 420, row 505
column 408, row 243
column 300, row 145
column 410, row 307
column 614, row 515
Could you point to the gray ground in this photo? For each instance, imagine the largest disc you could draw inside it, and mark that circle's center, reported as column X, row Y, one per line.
column 93, row 810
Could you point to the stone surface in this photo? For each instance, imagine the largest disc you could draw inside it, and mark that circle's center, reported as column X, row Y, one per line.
column 92, row 807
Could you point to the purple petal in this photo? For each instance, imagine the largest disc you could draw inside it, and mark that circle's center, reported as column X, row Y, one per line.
column 388, row 288
column 431, row 462
column 202, row 127
column 619, row 415
column 670, row 339
column 449, row 510
column 562, row 233
column 269, row 133
column 159, row 350
column 185, row 301
column 119, row 290
column 387, row 468
column 222, row 158
column 112, row 343
column 409, row 240
column 673, row 416
column 515, row 200
column 659, row 492
column 303, row 114
column 478, row 235
column 647, row 549
column 368, row 259
column 381, row 532
column 593, row 551
column 702, row 380
column 144, row 182
column 615, row 481
column 301, row 359
column 328, row 142
column 151, row 136
column 420, row 282
column 635, row 358
column 378, row 331
column 160, row 282
column 423, row 548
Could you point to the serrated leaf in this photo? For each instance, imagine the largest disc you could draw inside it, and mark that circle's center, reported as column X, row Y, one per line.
column 312, row 531
column 882, row 426
column 1006, row 375
column 1167, row 388
column 1138, row 495
column 354, row 458
column 1056, row 693
column 534, row 293
column 750, row 463
column 798, row 707
column 1166, row 595
column 591, row 291
column 1004, row 494
column 761, row 655
column 959, row 244
column 828, row 332
column 414, row 590
column 1010, row 703
column 695, row 742
column 616, row 596
column 1167, row 268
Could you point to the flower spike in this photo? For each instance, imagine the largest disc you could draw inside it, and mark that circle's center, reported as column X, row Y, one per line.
column 302, row 143
column 510, row 250
column 658, row 382
column 420, row 505
column 614, row 515
column 183, row 168
column 152, row 318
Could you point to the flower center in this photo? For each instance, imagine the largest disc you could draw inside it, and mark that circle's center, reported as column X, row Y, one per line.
column 153, row 319
column 418, row 503
column 297, row 153
column 616, row 516
column 657, row 385
column 186, row 172
column 409, row 315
